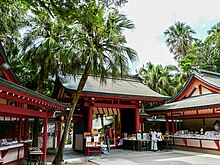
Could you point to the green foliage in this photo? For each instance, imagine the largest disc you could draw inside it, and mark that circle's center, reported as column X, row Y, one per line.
column 166, row 80
column 179, row 39
column 204, row 54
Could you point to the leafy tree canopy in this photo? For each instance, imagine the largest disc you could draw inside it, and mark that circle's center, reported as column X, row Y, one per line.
column 204, row 54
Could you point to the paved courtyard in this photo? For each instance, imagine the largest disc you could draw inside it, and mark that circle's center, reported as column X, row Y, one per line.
column 174, row 157
column 128, row 157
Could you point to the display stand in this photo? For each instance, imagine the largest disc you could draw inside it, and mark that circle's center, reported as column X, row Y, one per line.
column 34, row 155
column 92, row 143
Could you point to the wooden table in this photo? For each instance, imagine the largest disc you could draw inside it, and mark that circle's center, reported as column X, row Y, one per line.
column 92, row 149
column 34, row 155
column 136, row 145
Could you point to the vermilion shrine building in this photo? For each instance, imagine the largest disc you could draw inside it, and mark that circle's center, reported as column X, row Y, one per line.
column 198, row 105
column 18, row 106
column 122, row 98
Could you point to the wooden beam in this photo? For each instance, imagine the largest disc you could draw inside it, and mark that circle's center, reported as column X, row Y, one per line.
column 123, row 98
column 20, row 99
column 18, row 111
column 40, row 102
column 104, row 105
column 216, row 115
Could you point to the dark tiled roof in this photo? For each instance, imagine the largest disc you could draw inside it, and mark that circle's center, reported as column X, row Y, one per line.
column 212, row 78
column 5, row 60
column 201, row 101
column 128, row 88
column 22, row 89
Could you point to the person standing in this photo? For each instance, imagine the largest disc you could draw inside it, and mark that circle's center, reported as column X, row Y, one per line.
column 108, row 135
column 159, row 140
column 154, row 140
column 217, row 125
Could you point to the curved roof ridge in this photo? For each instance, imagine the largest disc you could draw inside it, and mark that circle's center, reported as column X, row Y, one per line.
column 21, row 88
column 116, row 87
column 5, row 60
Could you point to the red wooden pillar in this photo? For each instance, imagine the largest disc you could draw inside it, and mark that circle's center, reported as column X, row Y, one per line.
column 59, row 130
column 173, row 128
column 44, row 147
column 26, row 129
column 89, row 127
column 20, row 130
column 167, row 125
column 137, row 120
column 121, row 133
column 116, row 129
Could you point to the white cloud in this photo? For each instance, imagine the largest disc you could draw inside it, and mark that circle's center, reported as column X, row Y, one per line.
column 152, row 18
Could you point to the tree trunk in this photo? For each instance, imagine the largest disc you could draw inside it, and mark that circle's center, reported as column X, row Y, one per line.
column 59, row 156
column 102, row 120
column 35, row 132
column 36, row 119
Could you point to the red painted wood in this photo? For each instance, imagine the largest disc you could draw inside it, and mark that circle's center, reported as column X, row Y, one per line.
column 20, row 99
column 173, row 128
column 192, row 83
column 116, row 129
column 216, row 143
column 8, row 76
column 59, row 134
column 122, row 98
column 17, row 111
column 44, row 147
column 104, row 105
column 216, row 115
column 167, row 125
column 137, row 120
column 200, row 89
column 27, row 98
column 89, row 127
column 190, row 109
column 192, row 92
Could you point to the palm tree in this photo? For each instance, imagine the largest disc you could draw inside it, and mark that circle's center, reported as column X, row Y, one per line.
column 102, row 45
column 11, row 19
column 205, row 53
column 77, row 37
column 179, row 39
column 166, row 80
column 215, row 29
column 39, row 54
column 39, row 47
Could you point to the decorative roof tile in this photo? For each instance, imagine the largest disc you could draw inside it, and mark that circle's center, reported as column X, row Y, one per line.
column 128, row 88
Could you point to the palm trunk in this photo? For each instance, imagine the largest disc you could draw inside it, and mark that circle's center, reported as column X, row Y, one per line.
column 36, row 129
column 102, row 120
column 59, row 156
column 35, row 132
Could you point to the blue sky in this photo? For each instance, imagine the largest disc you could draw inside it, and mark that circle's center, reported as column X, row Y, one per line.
column 153, row 17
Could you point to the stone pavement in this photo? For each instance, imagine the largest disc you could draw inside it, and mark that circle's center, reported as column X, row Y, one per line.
column 129, row 157
column 71, row 156
column 175, row 157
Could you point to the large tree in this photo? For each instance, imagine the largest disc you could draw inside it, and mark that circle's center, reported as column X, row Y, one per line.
column 11, row 20
column 166, row 80
column 91, row 42
column 179, row 39
column 102, row 45
column 204, row 54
